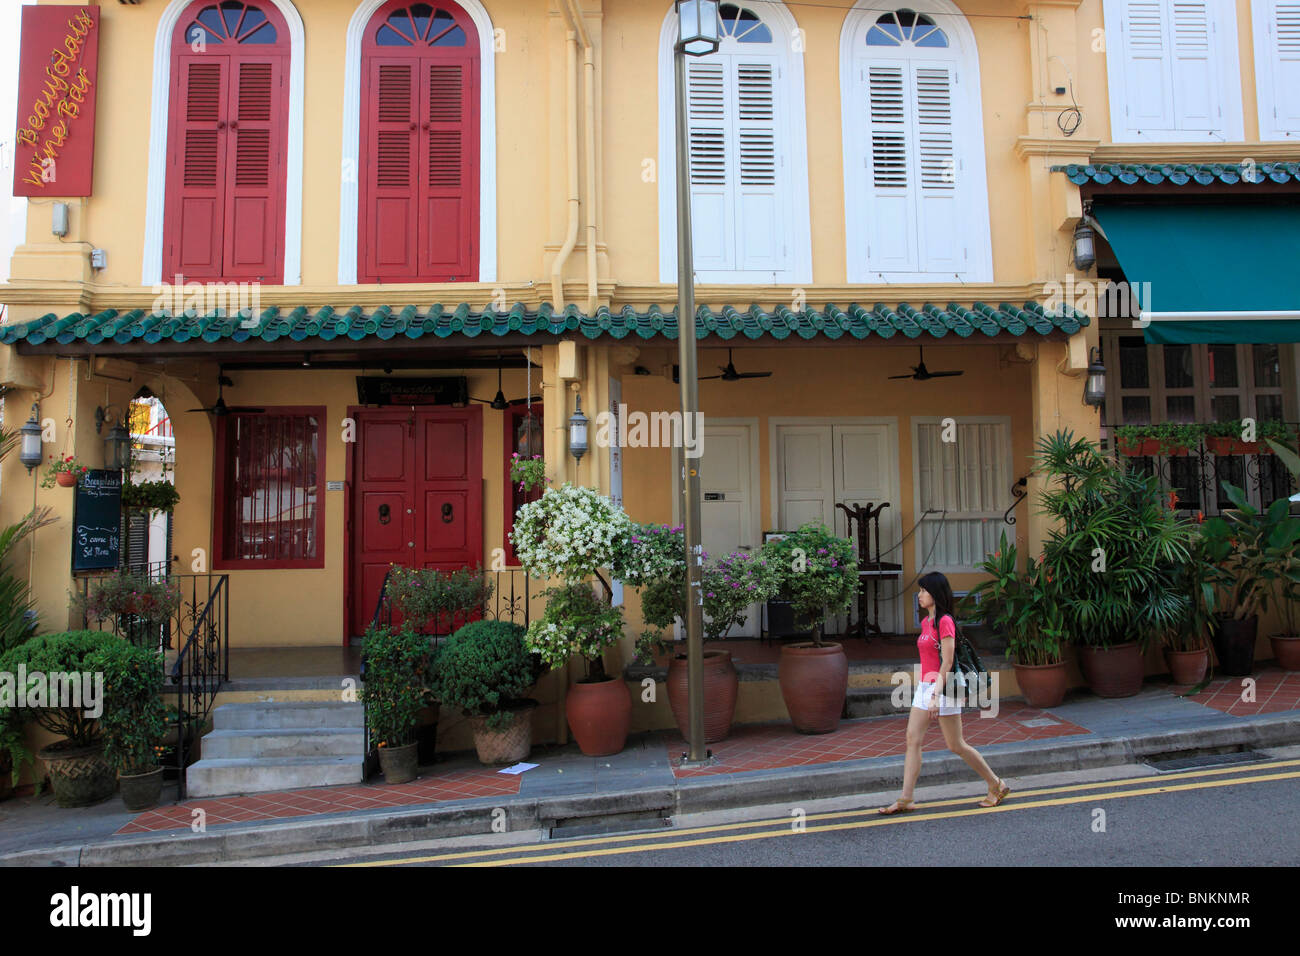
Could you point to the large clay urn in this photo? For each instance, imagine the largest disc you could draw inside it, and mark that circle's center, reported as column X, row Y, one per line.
column 814, row 682
column 600, row 716
column 1112, row 671
column 1043, row 685
column 721, row 684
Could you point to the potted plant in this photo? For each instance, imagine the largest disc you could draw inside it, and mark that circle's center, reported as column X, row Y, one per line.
column 150, row 496
column 818, row 574
column 1137, row 440
column 572, row 533
column 485, row 670
column 14, row 754
column 396, row 672
column 1224, row 438
column 1114, row 549
column 1249, row 552
column 1176, row 438
column 1027, row 608
column 79, row 773
column 133, row 604
column 437, row 602
column 64, row 472
column 134, row 720
column 1286, row 646
column 1187, row 651
column 528, row 472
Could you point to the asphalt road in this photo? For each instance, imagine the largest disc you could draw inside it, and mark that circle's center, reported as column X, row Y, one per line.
column 1241, row 815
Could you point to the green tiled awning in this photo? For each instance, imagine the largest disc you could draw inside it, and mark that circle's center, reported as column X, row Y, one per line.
column 1210, row 272
column 1181, row 174
column 402, row 324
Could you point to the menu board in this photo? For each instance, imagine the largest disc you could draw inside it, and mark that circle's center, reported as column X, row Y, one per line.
column 97, row 521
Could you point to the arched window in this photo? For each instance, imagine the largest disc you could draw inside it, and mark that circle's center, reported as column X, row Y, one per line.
column 418, row 216
column 915, row 189
column 748, row 152
column 1277, row 67
column 1172, row 70
column 226, row 159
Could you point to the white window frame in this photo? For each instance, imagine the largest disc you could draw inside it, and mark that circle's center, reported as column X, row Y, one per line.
column 1003, row 463
column 968, row 140
column 1231, row 127
column 792, row 140
column 1262, row 14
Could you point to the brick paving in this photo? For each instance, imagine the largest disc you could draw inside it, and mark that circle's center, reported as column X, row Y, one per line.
column 1275, row 691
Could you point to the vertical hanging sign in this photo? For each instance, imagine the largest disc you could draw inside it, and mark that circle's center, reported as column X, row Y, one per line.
column 54, row 148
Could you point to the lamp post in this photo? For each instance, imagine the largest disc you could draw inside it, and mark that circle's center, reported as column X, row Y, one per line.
column 699, row 30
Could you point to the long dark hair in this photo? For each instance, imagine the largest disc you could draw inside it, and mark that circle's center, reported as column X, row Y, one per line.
column 938, row 587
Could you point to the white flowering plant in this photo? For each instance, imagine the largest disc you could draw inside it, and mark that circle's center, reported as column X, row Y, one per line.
column 571, row 532
column 575, row 621
column 652, row 552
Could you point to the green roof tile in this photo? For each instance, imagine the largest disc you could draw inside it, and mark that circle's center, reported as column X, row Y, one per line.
column 1181, row 173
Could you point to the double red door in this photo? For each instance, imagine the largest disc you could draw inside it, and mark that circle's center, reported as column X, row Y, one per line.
column 417, row 497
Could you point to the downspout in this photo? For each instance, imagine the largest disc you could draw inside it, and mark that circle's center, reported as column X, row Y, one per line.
column 576, row 25
column 571, row 107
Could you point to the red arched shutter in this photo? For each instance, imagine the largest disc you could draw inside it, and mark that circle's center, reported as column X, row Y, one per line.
column 226, row 170
column 418, row 215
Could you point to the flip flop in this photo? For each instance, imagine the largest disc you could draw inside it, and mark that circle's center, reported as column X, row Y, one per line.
column 998, row 798
column 898, row 806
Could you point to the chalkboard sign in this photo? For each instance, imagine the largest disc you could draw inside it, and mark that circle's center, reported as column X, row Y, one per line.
column 97, row 521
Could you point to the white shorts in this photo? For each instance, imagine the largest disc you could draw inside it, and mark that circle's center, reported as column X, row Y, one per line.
column 924, row 694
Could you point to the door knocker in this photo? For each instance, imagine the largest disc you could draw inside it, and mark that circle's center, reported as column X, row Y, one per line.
column 385, row 515
column 446, row 512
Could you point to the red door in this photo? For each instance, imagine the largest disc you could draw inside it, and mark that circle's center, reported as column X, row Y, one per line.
column 417, row 497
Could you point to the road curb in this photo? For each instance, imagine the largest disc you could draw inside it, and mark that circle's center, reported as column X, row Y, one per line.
column 690, row 795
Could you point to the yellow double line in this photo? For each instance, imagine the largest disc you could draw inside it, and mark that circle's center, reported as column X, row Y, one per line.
column 783, row 826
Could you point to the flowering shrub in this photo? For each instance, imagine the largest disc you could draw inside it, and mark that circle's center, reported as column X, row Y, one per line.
column 816, row 571
column 529, row 472
column 575, row 621
column 651, row 553
column 570, row 532
column 731, row 584
column 59, row 465
column 397, row 672
column 424, row 595
column 120, row 595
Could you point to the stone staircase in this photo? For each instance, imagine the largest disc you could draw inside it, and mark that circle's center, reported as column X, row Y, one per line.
column 258, row 746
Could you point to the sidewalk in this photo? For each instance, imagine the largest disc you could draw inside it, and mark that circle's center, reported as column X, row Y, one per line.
column 757, row 764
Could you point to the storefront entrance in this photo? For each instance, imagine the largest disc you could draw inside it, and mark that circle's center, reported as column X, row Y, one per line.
column 415, row 480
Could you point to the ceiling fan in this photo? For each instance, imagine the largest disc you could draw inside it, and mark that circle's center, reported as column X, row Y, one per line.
column 921, row 373
column 221, row 408
column 729, row 373
column 499, row 400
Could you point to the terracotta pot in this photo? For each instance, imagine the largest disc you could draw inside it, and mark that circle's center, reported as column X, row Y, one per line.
column 509, row 745
column 140, row 791
column 399, row 763
column 1187, row 667
column 1141, row 448
column 1112, row 671
column 1226, row 445
column 79, row 776
column 1286, row 651
column 1234, row 645
column 1043, row 685
column 721, row 685
column 814, row 682
column 66, row 479
column 600, row 715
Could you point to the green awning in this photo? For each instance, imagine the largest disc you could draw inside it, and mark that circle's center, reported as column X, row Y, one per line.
column 1235, row 267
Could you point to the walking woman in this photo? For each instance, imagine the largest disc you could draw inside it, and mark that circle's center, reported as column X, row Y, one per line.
column 938, row 648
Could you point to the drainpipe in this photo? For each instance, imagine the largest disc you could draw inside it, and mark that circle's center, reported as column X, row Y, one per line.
column 578, row 31
column 571, row 107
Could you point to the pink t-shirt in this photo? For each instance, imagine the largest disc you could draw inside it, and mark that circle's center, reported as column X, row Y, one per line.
column 930, row 648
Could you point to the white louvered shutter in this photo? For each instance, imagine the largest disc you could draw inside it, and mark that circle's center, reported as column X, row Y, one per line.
column 1284, row 45
column 1148, row 66
column 760, row 232
column 938, row 216
column 712, row 177
column 1195, row 65
column 890, row 175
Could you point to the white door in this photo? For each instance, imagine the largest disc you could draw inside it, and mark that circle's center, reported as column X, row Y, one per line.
column 819, row 466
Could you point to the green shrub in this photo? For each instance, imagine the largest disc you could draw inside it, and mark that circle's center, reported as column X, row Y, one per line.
column 482, row 669
column 135, row 718
column 815, row 571
column 13, row 748
column 575, row 621
column 72, row 652
column 150, row 495
column 397, row 675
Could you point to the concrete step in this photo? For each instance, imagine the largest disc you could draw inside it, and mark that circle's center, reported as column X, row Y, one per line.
column 295, row 742
column 278, row 715
column 863, row 702
column 230, row 776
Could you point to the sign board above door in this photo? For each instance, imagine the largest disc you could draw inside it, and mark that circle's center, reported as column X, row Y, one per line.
column 390, row 390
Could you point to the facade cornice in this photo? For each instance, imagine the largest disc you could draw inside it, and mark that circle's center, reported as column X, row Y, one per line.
column 1054, row 146
column 1170, row 153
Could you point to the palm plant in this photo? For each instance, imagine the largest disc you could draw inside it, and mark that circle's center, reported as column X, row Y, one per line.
column 1117, row 547
column 16, row 618
column 1025, row 607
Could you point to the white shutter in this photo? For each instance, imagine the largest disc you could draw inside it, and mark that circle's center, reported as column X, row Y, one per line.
column 1148, row 66
column 890, row 168
column 1195, row 66
column 939, row 220
column 711, row 173
column 1284, row 45
column 759, row 226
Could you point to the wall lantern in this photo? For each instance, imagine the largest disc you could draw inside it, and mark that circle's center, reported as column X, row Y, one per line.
column 30, row 454
column 699, row 27
column 1085, row 246
column 1094, row 390
column 528, row 437
column 117, row 444
column 578, row 431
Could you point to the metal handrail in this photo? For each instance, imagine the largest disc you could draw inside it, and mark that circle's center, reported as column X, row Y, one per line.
column 201, row 681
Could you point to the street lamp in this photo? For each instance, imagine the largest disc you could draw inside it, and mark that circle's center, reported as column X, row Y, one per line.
column 698, row 34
